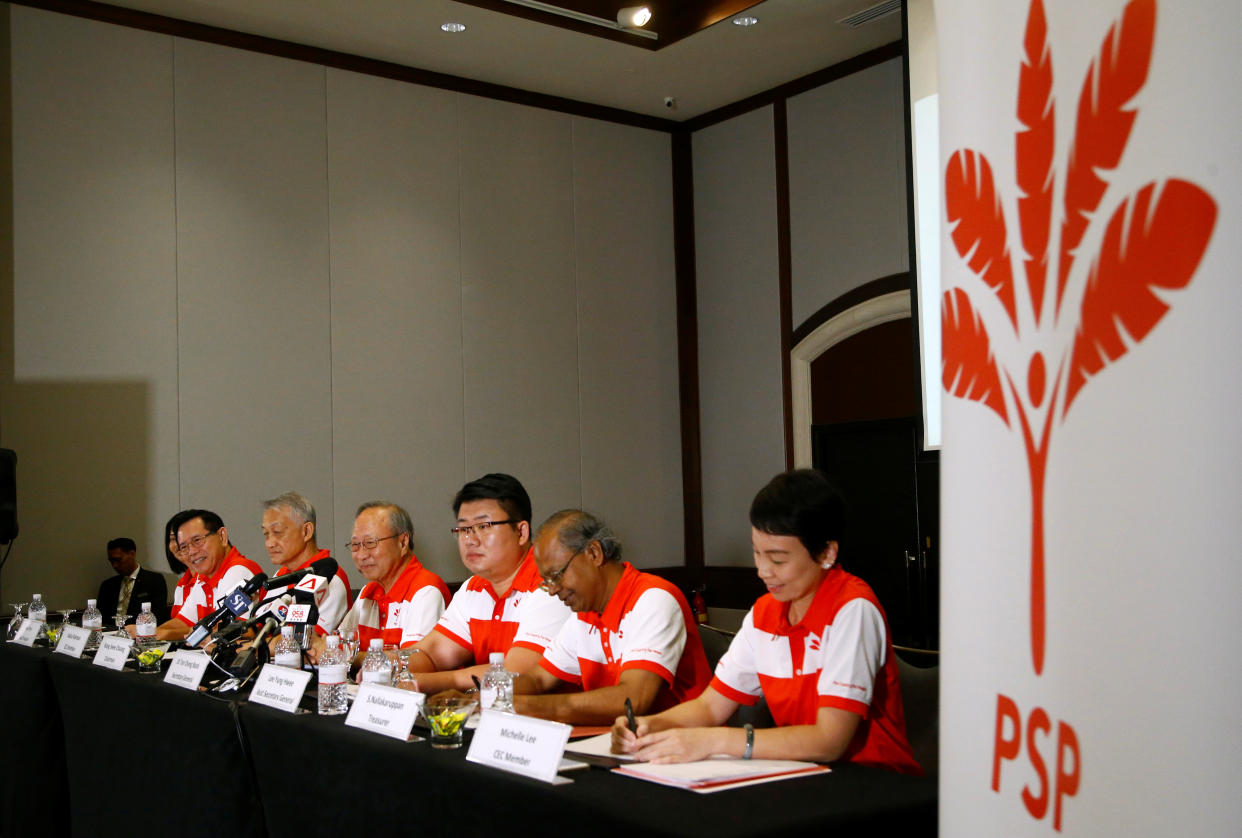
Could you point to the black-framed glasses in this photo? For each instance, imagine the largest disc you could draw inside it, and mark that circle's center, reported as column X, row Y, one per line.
column 553, row 579
column 195, row 542
column 478, row 529
column 369, row 543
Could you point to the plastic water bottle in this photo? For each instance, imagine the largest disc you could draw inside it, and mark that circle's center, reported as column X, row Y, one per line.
column 145, row 625
column 288, row 650
column 93, row 621
column 37, row 611
column 497, row 685
column 376, row 667
column 333, row 674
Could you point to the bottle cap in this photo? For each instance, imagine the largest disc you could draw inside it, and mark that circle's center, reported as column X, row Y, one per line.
column 38, row 597
column 496, row 658
column 333, row 641
column 90, row 603
column 286, row 631
column 146, row 606
column 377, row 644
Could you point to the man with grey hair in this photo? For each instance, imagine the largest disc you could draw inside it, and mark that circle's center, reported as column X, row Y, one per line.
column 289, row 536
column 633, row 636
column 402, row 599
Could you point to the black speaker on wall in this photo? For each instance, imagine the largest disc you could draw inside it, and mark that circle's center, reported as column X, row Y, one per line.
column 8, row 495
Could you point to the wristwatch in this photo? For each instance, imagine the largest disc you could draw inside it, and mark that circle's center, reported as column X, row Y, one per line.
column 750, row 740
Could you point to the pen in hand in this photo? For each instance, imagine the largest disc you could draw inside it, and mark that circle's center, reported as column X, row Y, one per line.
column 629, row 717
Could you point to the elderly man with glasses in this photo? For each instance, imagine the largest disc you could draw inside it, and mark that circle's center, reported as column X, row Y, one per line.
column 402, row 599
column 213, row 569
column 634, row 637
column 500, row 608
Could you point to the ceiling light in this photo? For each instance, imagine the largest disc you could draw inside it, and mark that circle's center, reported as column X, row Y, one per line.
column 453, row 26
column 745, row 20
column 634, row 16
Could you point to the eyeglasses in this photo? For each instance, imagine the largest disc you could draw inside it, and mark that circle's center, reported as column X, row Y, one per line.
column 195, row 543
column 553, row 579
column 369, row 543
column 478, row 529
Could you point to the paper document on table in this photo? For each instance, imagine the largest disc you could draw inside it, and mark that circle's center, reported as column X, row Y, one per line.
column 711, row 775
column 596, row 746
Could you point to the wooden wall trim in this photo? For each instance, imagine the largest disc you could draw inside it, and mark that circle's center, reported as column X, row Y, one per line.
column 784, row 266
column 687, row 347
column 342, row 61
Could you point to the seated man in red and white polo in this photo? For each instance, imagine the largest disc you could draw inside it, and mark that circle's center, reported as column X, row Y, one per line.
column 633, row 635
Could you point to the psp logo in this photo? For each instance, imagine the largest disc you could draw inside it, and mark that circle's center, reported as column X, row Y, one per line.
column 1066, row 319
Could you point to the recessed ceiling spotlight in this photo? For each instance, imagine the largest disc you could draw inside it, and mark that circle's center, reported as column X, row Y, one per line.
column 745, row 20
column 453, row 26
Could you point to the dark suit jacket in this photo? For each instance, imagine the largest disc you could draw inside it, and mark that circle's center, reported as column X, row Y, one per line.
column 148, row 587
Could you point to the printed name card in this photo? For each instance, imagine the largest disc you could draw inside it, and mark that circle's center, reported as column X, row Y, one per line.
column 520, row 744
column 27, row 633
column 385, row 710
column 280, row 687
column 113, row 652
column 72, row 641
column 187, row 670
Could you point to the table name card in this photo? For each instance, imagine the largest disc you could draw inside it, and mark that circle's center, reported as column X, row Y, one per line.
column 113, row 652
column 520, row 744
column 385, row 710
column 280, row 687
column 27, row 633
column 72, row 641
column 187, row 670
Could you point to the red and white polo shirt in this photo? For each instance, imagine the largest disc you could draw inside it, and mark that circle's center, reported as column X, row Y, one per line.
column 404, row 615
column 646, row 625
column 197, row 596
column 525, row 616
column 839, row 655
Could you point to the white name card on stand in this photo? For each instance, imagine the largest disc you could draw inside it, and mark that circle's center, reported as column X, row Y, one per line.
column 521, row 745
column 385, row 710
column 280, row 687
column 72, row 641
column 27, row 633
column 113, row 652
column 187, row 670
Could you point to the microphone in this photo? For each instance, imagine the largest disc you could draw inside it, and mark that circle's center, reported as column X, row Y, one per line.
column 249, row 659
column 231, row 605
column 325, row 567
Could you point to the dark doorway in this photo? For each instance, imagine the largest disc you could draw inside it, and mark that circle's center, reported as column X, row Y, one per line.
column 865, row 436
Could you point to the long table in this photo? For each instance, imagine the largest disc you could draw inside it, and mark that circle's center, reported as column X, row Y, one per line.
column 243, row 769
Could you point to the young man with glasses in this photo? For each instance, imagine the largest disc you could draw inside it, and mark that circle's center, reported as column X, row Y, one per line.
column 402, row 599
column 214, row 569
column 500, row 608
column 633, row 640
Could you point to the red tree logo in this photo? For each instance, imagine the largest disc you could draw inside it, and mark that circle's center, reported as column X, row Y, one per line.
column 1154, row 239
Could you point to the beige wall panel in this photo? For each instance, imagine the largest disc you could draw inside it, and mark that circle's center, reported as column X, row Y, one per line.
column 92, row 408
column 252, row 256
column 741, row 408
column 396, row 308
column 847, row 186
column 627, row 337
column 520, row 358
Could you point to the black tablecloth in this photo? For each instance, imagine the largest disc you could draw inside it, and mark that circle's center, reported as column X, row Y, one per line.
column 192, row 764
column 372, row 784
column 145, row 756
column 33, row 792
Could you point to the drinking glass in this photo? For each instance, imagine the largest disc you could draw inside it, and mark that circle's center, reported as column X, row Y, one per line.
column 349, row 642
column 15, row 623
column 403, row 678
